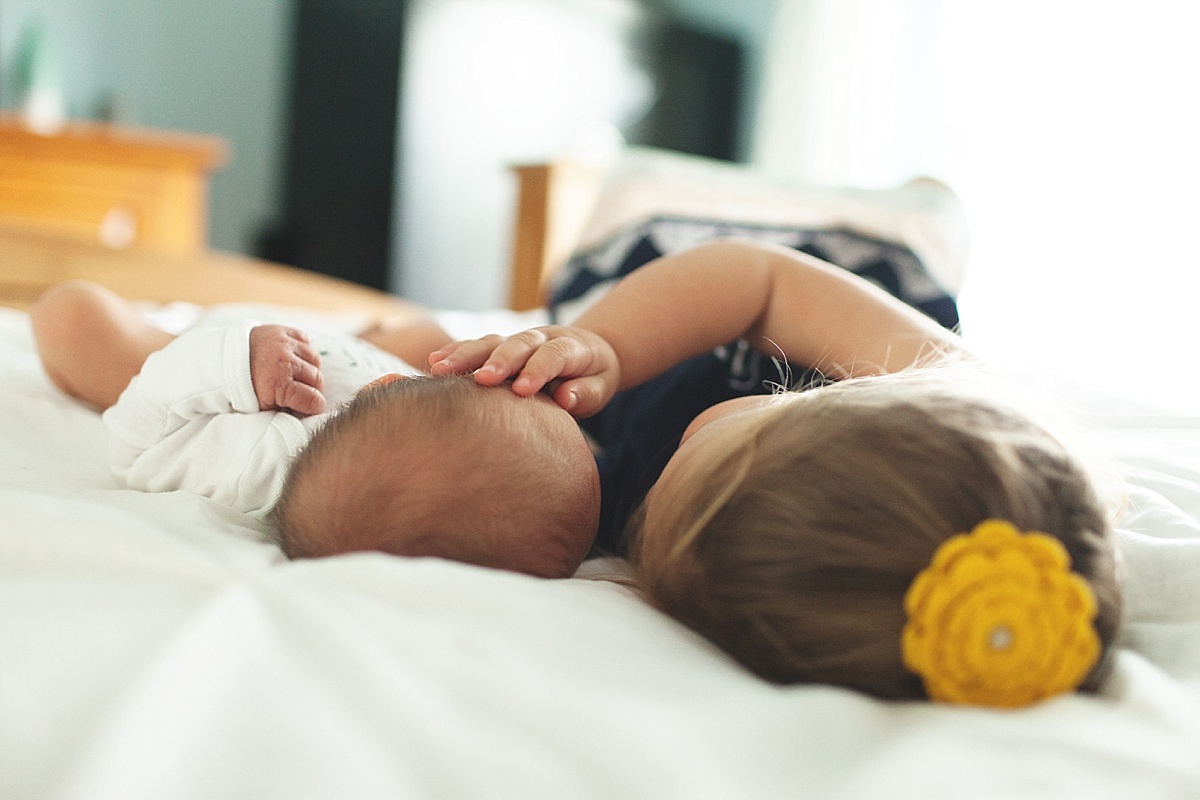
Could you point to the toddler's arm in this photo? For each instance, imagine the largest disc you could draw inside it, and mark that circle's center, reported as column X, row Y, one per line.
column 782, row 301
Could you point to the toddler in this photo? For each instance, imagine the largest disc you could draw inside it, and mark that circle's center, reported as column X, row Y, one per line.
column 341, row 444
column 899, row 530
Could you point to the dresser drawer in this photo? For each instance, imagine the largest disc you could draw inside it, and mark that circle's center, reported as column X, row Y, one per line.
column 120, row 187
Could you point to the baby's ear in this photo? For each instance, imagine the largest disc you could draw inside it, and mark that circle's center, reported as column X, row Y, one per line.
column 384, row 380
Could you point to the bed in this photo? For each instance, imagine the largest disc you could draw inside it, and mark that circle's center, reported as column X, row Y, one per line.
column 155, row 646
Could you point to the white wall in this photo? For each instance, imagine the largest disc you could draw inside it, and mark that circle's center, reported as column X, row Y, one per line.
column 487, row 84
column 844, row 91
column 1070, row 131
column 1075, row 143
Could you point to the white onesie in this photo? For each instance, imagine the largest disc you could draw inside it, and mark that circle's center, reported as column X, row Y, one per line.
column 190, row 419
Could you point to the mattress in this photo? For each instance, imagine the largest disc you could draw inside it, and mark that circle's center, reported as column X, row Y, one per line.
column 157, row 646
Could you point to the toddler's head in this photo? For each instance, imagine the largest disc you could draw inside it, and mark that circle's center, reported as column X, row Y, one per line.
column 443, row 467
column 790, row 536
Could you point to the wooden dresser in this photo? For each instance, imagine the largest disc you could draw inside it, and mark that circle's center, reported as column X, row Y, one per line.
column 117, row 186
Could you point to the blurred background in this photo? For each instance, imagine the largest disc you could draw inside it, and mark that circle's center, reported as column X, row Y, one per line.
column 371, row 139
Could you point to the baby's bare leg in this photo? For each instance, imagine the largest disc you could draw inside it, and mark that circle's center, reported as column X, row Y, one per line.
column 91, row 341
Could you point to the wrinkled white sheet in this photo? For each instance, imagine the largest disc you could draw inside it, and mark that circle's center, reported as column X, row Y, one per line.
column 151, row 646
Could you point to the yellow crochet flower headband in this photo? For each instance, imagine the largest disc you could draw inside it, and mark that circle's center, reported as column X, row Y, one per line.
column 998, row 619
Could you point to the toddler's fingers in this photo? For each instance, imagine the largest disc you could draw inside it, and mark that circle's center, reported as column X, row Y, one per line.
column 448, row 349
column 459, row 358
column 442, row 352
column 582, row 397
column 563, row 356
column 510, row 358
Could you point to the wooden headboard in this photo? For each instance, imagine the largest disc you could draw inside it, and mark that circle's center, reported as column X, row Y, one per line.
column 554, row 201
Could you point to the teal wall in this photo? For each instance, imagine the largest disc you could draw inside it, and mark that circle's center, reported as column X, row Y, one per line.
column 211, row 66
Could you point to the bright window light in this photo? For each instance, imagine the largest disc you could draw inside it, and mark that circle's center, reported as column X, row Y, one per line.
column 1070, row 130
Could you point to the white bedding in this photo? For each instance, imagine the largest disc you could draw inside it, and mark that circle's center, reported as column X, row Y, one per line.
column 151, row 646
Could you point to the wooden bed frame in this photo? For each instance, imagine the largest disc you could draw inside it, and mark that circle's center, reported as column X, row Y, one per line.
column 553, row 203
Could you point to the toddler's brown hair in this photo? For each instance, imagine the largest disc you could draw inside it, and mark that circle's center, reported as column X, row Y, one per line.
column 793, row 547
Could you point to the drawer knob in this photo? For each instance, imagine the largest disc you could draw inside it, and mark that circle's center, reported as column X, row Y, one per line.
column 118, row 229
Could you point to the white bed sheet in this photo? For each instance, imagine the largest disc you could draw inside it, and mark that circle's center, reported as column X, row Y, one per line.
column 152, row 646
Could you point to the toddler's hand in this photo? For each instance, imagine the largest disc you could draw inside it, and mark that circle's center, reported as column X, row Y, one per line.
column 285, row 370
column 579, row 367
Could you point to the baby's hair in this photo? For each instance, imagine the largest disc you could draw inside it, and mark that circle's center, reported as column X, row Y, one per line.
column 793, row 545
column 442, row 467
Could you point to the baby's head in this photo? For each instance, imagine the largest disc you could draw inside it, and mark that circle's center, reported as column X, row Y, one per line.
column 443, row 467
column 792, row 534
